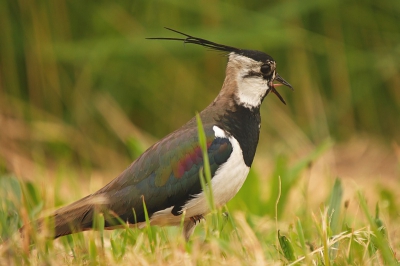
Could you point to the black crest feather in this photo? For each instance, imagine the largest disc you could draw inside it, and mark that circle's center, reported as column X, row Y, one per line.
column 256, row 55
column 199, row 41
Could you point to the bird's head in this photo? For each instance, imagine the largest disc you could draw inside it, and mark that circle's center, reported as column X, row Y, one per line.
column 250, row 74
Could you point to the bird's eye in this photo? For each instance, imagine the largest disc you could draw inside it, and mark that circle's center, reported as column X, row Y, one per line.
column 265, row 69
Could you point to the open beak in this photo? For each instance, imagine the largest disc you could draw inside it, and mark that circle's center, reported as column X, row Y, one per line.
column 282, row 82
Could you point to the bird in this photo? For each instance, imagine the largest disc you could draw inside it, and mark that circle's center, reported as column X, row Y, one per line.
column 166, row 177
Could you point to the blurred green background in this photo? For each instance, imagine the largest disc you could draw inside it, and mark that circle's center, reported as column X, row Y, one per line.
column 79, row 83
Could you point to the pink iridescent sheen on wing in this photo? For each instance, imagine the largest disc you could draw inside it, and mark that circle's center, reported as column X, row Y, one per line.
column 193, row 156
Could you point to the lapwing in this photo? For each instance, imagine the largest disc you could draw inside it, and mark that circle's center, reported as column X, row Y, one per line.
column 166, row 176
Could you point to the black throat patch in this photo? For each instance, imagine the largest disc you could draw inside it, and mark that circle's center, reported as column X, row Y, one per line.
column 244, row 125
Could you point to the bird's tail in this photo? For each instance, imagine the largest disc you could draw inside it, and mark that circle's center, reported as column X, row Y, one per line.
column 73, row 218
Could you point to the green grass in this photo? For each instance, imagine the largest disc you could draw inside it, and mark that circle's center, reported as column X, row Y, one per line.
column 328, row 235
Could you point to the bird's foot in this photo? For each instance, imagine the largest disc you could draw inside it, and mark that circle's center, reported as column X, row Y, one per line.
column 197, row 218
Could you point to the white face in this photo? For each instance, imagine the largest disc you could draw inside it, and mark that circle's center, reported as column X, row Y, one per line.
column 252, row 83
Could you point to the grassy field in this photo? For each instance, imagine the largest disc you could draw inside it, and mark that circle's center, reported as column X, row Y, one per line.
column 82, row 94
column 251, row 230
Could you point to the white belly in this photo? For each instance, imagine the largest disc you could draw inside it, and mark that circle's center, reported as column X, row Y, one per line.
column 226, row 182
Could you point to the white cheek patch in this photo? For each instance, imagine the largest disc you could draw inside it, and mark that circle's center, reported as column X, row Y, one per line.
column 251, row 91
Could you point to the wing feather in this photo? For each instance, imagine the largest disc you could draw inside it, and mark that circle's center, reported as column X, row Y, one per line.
column 166, row 175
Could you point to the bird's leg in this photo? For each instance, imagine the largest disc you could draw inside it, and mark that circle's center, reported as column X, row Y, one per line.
column 190, row 224
column 188, row 228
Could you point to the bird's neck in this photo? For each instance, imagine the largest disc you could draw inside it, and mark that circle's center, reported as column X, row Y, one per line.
column 237, row 120
column 244, row 125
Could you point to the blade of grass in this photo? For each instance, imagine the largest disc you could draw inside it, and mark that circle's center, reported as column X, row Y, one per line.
column 276, row 205
column 381, row 242
column 206, row 171
column 286, row 247
column 92, row 251
column 334, row 213
column 149, row 230
column 205, row 175
column 300, row 233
